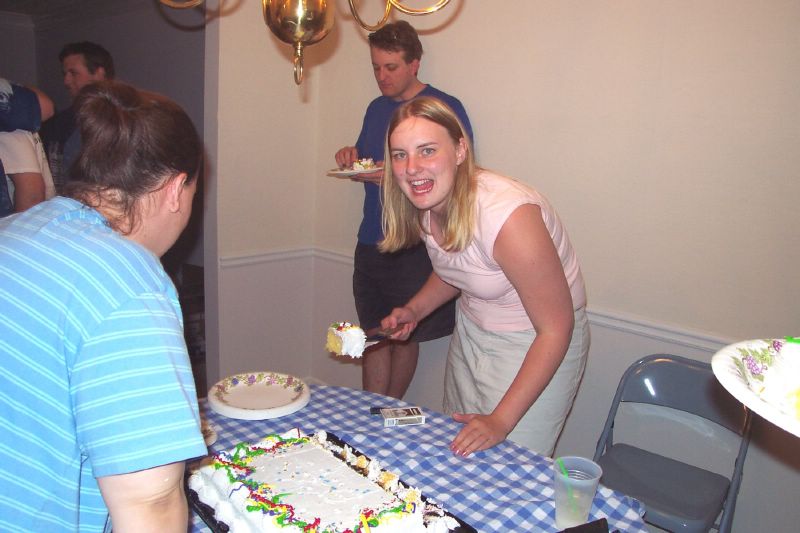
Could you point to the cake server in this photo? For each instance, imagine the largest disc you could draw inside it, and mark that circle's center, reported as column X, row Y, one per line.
column 376, row 335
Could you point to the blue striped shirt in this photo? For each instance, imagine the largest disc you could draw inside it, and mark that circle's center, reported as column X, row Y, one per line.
column 95, row 379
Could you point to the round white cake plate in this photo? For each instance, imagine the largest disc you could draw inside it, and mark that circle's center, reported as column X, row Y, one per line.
column 724, row 365
column 258, row 395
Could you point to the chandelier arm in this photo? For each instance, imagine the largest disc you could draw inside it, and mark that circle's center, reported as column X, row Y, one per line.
column 181, row 5
column 377, row 26
column 298, row 63
column 411, row 11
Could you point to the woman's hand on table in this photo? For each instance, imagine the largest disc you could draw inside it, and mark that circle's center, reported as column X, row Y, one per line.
column 480, row 432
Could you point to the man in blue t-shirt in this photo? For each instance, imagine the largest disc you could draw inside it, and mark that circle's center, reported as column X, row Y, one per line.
column 382, row 281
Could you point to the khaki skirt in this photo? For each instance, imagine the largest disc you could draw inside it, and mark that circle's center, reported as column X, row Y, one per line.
column 482, row 364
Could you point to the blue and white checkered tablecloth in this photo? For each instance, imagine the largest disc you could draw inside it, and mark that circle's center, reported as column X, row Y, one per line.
column 507, row 488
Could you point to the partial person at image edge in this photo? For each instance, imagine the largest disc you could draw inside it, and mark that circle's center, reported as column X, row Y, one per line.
column 97, row 400
column 26, row 178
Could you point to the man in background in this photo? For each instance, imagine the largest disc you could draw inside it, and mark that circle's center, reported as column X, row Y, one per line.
column 82, row 63
column 382, row 281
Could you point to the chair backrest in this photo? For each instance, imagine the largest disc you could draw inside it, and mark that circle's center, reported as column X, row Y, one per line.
column 684, row 384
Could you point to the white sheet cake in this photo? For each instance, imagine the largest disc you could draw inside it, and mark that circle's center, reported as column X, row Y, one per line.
column 296, row 483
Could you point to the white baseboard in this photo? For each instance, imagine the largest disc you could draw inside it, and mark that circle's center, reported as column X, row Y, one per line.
column 237, row 261
column 648, row 329
column 613, row 320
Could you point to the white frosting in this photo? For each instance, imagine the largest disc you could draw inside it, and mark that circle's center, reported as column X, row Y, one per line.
column 443, row 526
column 363, row 164
column 353, row 340
column 314, row 483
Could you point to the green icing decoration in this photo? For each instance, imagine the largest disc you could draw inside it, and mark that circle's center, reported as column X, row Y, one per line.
column 237, row 466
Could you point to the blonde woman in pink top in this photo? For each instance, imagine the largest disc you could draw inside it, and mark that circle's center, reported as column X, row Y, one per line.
column 519, row 349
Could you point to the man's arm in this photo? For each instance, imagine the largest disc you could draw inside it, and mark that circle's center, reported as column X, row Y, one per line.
column 46, row 106
column 148, row 500
column 29, row 190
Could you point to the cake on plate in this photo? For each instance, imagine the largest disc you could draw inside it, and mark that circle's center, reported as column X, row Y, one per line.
column 295, row 483
column 345, row 338
column 772, row 370
column 363, row 164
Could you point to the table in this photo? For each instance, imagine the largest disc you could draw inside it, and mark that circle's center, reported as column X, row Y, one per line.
column 503, row 489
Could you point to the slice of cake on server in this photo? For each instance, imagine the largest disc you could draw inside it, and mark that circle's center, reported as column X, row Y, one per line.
column 345, row 338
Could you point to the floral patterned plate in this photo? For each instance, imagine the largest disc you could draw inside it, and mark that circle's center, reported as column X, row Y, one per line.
column 258, row 395
column 740, row 368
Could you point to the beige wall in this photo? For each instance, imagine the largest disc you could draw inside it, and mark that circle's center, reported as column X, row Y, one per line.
column 664, row 132
column 266, row 128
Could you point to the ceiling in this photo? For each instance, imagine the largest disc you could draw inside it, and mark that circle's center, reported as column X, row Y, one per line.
column 35, row 7
column 42, row 8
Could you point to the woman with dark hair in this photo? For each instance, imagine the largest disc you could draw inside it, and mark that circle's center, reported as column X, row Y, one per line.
column 521, row 338
column 98, row 401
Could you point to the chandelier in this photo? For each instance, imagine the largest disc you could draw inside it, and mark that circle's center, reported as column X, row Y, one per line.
column 305, row 22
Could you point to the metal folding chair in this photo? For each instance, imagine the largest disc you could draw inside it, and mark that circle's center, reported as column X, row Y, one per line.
column 677, row 496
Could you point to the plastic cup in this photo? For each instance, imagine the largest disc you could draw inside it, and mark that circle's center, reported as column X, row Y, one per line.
column 576, row 490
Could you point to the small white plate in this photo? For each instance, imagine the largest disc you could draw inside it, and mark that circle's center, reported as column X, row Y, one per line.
column 349, row 172
column 258, row 395
column 726, row 365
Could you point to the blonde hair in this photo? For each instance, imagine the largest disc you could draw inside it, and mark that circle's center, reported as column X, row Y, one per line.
column 402, row 222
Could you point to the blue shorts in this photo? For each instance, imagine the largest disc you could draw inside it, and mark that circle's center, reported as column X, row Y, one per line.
column 382, row 282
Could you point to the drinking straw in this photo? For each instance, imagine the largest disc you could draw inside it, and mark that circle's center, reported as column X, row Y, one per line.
column 569, row 487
